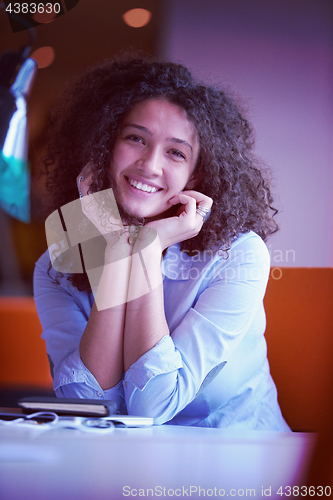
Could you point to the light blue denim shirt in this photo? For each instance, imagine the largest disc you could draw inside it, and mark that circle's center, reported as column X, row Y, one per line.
column 211, row 371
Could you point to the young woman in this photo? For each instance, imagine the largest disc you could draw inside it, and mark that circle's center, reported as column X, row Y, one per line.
column 174, row 328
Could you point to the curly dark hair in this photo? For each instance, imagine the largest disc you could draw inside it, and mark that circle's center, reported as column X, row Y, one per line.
column 84, row 126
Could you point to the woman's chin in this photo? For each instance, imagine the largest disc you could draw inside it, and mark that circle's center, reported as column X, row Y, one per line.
column 142, row 215
column 130, row 219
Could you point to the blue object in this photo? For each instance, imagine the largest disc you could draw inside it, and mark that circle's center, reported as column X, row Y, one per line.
column 15, row 188
column 14, row 169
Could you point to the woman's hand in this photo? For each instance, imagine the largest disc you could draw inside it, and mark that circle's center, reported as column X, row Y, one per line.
column 187, row 223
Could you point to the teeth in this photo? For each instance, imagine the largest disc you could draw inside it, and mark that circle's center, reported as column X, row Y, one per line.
column 142, row 187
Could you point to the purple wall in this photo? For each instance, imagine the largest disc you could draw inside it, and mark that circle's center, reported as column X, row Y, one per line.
column 278, row 55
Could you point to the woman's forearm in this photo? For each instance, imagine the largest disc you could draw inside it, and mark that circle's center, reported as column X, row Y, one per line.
column 101, row 346
column 145, row 322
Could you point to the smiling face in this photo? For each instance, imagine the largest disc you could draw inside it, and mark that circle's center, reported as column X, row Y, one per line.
column 154, row 157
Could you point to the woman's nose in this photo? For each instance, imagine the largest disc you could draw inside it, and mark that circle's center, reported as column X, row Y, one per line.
column 151, row 162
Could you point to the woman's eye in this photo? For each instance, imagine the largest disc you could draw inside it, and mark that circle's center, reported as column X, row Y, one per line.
column 178, row 154
column 134, row 138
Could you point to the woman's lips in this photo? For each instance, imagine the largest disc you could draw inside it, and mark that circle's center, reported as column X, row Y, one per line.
column 140, row 191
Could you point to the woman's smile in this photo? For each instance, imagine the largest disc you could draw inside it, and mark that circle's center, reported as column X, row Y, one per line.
column 153, row 158
column 142, row 187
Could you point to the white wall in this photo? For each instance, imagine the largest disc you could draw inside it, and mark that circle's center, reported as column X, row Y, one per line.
column 278, row 55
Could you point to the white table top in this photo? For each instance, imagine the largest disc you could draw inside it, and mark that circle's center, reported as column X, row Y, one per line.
column 161, row 461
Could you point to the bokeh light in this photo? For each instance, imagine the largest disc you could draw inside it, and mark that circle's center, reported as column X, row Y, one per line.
column 137, row 18
column 44, row 56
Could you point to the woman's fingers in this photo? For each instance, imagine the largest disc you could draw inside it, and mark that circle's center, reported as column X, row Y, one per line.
column 191, row 201
column 200, row 198
column 187, row 223
column 188, row 203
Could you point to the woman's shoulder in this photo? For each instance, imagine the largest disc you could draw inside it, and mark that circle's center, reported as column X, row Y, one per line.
column 249, row 247
column 44, row 261
column 250, row 240
column 45, row 273
column 51, row 286
column 245, row 243
column 58, row 265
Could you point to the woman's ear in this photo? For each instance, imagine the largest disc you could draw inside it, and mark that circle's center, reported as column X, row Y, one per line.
column 87, row 170
column 84, row 179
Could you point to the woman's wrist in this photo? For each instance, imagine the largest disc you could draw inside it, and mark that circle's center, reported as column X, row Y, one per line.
column 117, row 247
column 148, row 240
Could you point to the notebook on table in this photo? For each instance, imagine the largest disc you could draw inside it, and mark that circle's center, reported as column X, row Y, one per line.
column 90, row 408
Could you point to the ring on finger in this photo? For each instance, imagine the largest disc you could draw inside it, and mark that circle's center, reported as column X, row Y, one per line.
column 203, row 211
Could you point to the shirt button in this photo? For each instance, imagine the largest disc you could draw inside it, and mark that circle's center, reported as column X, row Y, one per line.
column 99, row 394
column 125, row 383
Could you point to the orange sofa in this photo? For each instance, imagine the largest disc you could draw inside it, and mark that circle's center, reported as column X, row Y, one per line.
column 23, row 359
column 299, row 333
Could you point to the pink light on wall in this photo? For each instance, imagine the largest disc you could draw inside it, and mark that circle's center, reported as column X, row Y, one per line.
column 44, row 56
column 137, row 18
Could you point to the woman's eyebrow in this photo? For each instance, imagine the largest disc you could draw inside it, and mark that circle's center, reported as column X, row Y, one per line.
column 140, row 127
column 171, row 139
column 180, row 141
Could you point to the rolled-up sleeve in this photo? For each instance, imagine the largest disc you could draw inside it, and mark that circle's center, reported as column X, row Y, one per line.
column 63, row 312
column 228, row 295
